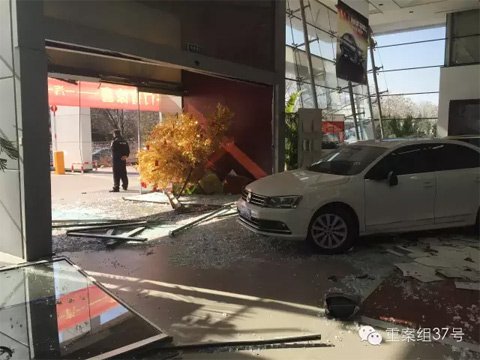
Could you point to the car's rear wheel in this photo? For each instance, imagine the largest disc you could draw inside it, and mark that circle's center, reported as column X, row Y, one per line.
column 332, row 230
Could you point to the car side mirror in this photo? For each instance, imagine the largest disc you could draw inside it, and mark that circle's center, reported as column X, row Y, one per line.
column 392, row 179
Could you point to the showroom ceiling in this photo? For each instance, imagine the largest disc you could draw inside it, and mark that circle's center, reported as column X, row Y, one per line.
column 74, row 60
column 397, row 15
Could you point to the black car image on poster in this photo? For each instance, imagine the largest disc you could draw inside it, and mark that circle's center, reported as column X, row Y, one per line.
column 350, row 50
column 352, row 45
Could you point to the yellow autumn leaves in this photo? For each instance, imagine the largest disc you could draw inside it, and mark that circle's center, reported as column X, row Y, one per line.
column 181, row 144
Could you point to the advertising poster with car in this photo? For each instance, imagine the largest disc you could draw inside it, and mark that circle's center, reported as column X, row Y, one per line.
column 352, row 45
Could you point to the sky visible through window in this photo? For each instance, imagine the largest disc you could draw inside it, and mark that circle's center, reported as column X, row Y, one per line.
column 407, row 56
column 426, row 54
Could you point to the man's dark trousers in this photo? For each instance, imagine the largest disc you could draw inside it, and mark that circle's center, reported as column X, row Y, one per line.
column 120, row 173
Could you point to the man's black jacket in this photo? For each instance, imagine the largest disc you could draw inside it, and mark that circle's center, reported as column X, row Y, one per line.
column 119, row 148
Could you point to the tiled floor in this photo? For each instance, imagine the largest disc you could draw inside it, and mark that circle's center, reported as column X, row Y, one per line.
column 218, row 282
column 271, row 294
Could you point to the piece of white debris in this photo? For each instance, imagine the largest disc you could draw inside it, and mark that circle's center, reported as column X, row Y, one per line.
column 467, row 285
column 418, row 271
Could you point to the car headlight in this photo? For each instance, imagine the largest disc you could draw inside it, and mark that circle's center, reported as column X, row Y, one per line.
column 283, row 202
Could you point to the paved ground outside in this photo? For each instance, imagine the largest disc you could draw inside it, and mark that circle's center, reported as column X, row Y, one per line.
column 219, row 282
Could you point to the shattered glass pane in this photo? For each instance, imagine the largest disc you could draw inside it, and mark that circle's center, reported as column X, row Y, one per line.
column 52, row 310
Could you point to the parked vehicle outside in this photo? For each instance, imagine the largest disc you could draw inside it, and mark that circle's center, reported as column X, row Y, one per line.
column 103, row 156
column 369, row 187
column 133, row 158
column 330, row 141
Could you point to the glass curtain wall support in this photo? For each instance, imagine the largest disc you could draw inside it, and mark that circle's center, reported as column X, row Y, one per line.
column 309, row 57
column 354, row 111
column 375, row 80
column 371, row 110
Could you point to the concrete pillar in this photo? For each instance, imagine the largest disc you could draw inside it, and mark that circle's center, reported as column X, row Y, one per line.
column 25, row 204
column 469, row 89
column 73, row 135
column 458, row 69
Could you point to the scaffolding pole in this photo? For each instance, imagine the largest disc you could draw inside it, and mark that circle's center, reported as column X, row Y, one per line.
column 354, row 110
column 309, row 56
column 371, row 110
column 377, row 93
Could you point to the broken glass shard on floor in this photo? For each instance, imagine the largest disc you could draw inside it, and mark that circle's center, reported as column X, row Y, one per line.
column 52, row 310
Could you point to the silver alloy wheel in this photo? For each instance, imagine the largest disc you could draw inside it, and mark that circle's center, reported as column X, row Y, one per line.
column 329, row 231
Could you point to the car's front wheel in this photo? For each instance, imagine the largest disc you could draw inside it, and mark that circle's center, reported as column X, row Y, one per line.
column 332, row 230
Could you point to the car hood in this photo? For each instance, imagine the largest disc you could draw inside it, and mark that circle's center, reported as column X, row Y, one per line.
column 295, row 182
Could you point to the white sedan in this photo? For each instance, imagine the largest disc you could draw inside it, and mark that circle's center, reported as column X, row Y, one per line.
column 366, row 188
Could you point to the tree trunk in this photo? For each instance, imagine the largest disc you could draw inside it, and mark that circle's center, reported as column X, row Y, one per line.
column 184, row 184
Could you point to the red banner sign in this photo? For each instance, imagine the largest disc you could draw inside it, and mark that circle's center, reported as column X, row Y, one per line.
column 101, row 95
column 335, row 128
column 82, row 306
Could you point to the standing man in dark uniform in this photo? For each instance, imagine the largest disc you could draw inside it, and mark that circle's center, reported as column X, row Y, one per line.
column 120, row 153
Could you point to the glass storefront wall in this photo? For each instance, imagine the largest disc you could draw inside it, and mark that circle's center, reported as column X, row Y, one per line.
column 398, row 75
column 332, row 93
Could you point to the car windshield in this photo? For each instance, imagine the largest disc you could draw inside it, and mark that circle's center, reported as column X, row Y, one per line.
column 347, row 160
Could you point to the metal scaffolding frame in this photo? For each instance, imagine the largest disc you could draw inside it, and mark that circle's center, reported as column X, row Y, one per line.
column 309, row 57
column 375, row 81
column 333, row 94
column 336, row 97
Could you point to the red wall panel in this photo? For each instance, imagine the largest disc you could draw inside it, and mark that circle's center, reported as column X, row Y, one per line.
column 251, row 126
